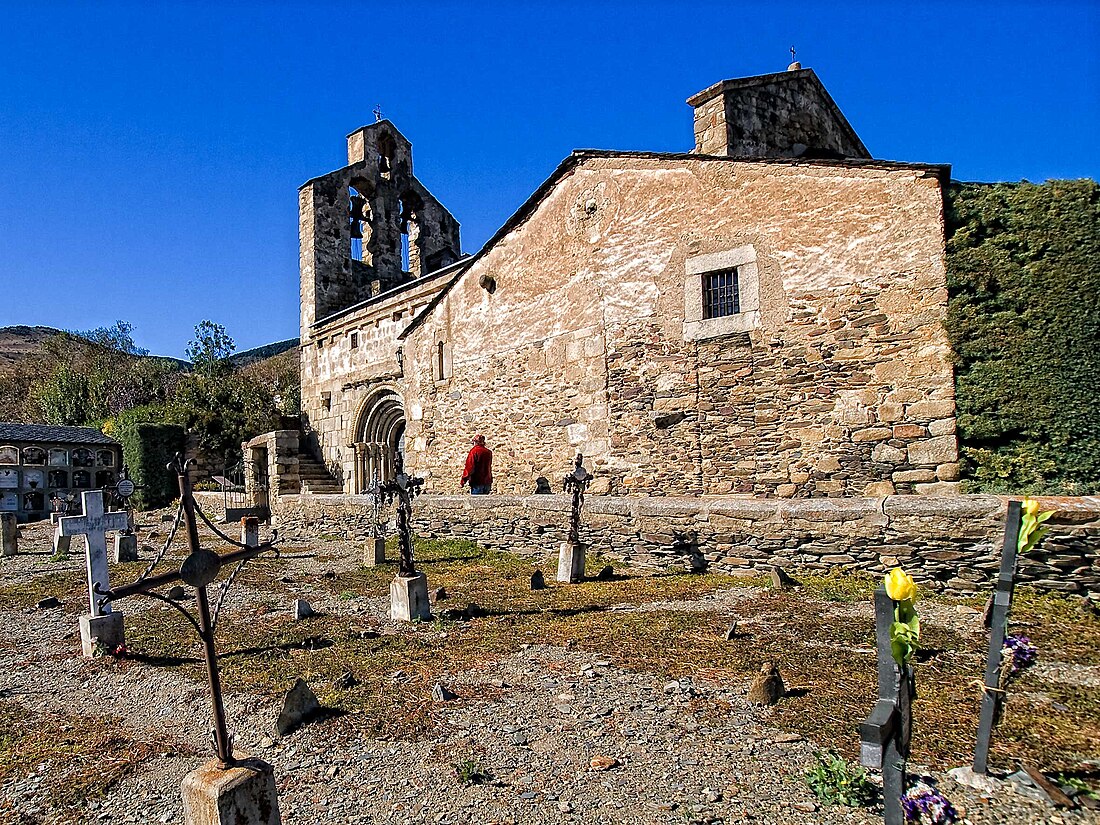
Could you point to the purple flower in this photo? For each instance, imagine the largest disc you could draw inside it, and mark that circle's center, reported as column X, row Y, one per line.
column 1023, row 652
column 928, row 806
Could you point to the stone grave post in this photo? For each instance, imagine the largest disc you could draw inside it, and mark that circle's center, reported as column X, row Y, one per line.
column 409, row 588
column 884, row 735
column 101, row 624
column 61, row 544
column 992, row 692
column 9, row 535
column 571, row 555
column 250, row 531
column 234, row 788
column 126, row 543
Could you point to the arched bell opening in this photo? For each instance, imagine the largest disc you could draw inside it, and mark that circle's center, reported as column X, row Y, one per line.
column 379, row 438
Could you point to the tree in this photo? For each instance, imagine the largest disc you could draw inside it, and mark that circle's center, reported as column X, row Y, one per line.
column 210, row 350
column 117, row 337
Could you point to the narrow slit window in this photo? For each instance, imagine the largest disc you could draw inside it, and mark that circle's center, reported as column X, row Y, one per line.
column 355, row 340
column 439, row 361
column 720, row 294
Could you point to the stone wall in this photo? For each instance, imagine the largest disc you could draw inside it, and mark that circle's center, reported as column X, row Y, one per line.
column 951, row 543
column 570, row 334
column 786, row 114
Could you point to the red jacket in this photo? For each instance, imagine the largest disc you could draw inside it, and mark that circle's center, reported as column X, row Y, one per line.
column 479, row 467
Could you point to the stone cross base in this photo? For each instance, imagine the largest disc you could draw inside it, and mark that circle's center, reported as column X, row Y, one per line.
column 241, row 795
column 409, row 598
column 250, row 531
column 9, row 535
column 106, row 630
column 571, row 562
column 126, row 548
column 374, row 552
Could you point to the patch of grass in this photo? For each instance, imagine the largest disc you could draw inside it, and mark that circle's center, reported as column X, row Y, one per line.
column 70, row 586
column 78, row 757
column 835, row 782
column 470, row 773
column 841, row 587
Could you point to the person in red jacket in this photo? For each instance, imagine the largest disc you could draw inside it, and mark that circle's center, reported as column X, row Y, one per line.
column 479, row 468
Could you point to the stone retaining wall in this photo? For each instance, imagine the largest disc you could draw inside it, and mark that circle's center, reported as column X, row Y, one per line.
column 950, row 543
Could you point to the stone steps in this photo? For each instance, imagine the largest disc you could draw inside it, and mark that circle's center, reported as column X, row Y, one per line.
column 315, row 477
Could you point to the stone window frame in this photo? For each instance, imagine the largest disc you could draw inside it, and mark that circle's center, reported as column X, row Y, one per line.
column 697, row 267
column 442, row 364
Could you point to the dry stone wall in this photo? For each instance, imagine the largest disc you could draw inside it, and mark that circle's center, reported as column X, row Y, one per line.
column 950, row 543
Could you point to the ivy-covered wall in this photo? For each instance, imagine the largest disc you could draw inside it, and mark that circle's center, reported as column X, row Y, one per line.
column 1023, row 264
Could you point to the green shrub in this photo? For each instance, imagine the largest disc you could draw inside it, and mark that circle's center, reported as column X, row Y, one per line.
column 836, row 782
column 147, row 450
column 1023, row 266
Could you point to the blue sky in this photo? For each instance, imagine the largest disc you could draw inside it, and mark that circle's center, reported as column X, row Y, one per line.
column 150, row 153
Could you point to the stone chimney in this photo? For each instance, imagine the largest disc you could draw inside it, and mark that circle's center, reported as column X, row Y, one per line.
column 786, row 114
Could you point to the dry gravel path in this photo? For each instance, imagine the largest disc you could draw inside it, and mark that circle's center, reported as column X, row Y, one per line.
column 686, row 752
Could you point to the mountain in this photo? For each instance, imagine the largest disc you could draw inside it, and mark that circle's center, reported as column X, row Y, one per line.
column 250, row 356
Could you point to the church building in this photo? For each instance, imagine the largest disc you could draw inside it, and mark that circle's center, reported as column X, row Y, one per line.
column 762, row 315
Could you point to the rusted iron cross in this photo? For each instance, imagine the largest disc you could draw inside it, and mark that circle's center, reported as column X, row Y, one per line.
column 576, row 483
column 404, row 488
column 199, row 569
column 884, row 735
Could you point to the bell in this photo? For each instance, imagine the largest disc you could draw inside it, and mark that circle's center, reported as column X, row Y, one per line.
column 358, row 208
column 356, row 230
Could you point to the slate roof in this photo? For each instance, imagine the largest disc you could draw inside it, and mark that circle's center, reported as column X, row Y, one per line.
column 10, row 431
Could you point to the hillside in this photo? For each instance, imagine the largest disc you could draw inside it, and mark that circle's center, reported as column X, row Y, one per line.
column 18, row 342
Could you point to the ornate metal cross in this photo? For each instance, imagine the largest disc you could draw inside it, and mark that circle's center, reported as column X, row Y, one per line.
column 576, row 483
column 404, row 488
column 199, row 569
column 884, row 735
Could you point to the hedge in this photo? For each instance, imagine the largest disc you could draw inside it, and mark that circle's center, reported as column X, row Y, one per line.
column 147, row 449
column 1023, row 263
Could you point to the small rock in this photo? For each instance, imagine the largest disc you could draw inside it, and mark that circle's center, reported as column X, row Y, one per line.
column 345, row 681
column 538, row 581
column 565, row 807
column 671, row 687
column 731, row 632
column 807, row 807
column 475, row 611
column 333, row 770
column 302, row 609
column 767, row 686
column 439, row 594
column 606, row 575
column 519, row 738
column 603, row 763
column 329, row 574
column 176, row 592
column 299, row 706
column 267, row 742
column 440, row 693
column 48, row 602
column 779, row 579
column 966, row 776
column 787, row 738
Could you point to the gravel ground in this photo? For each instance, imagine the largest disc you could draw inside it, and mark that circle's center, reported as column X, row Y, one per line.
column 687, row 751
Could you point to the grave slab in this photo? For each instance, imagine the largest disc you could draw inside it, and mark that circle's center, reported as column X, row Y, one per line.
column 9, row 535
column 243, row 794
column 571, row 562
column 374, row 552
column 126, row 548
column 61, row 544
column 409, row 598
column 108, row 631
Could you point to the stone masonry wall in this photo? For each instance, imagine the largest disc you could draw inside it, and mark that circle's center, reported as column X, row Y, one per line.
column 951, row 543
column 569, row 335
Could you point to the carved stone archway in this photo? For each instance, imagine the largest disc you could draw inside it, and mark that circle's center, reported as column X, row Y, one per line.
column 378, row 438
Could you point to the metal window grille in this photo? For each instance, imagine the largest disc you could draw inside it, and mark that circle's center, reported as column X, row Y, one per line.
column 720, row 294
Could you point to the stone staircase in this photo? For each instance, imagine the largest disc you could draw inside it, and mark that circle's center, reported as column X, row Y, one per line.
column 315, row 477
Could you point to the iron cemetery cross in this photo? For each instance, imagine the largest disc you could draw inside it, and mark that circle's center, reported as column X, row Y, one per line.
column 571, row 557
column 404, row 488
column 198, row 570
column 884, row 735
column 992, row 692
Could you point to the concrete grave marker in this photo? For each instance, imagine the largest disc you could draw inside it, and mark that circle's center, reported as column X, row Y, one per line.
column 9, row 535
column 101, row 625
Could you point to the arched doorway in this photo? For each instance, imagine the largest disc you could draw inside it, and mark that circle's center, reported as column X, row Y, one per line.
column 378, row 439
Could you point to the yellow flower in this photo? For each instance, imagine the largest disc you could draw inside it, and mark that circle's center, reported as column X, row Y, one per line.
column 900, row 586
column 1031, row 506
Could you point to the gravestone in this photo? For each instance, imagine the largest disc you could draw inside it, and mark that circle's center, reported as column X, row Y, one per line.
column 242, row 793
column 9, row 535
column 884, row 735
column 409, row 588
column 61, row 544
column 992, row 693
column 571, row 555
column 374, row 551
column 101, row 626
column 126, row 548
column 250, row 531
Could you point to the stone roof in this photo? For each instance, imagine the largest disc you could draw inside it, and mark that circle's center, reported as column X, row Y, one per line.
column 10, row 431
